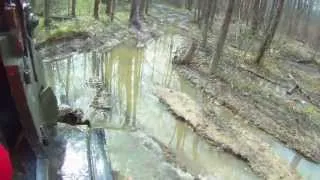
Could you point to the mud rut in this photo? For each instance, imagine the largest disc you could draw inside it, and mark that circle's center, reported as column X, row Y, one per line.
column 241, row 99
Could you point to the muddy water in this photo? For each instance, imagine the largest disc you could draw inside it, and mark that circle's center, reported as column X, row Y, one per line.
column 137, row 118
column 138, row 125
column 307, row 169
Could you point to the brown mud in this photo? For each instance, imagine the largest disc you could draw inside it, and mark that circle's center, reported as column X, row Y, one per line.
column 281, row 96
column 232, row 137
column 242, row 104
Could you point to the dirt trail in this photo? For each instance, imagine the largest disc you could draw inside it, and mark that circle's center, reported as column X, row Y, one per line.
column 261, row 115
column 280, row 97
column 231, row 136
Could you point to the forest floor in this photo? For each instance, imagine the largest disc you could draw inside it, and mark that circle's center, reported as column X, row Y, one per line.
column 242, row 102
column 281, row 97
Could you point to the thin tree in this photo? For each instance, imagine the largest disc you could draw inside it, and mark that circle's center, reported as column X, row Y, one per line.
column 134, row 14
column 309, row 12
column 223, row 34
column 262, row 12
column 189, row 4
column 96, row 9
column 46, row 13
column 271, row 15
column 142, row 8
column 73, row 8
column 254, row 23
column 207, row 16
column 269, row 37
column 146, row 10
column 291, row 17
column 213, row 11
column 110, row 9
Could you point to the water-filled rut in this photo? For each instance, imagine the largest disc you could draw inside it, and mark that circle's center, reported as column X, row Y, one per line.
column 116, row 90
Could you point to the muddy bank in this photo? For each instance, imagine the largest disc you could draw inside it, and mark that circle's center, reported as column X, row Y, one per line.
column 299, row 135
column 82, row 42
column 232, row 137
column 281, row 97
column 101, row 36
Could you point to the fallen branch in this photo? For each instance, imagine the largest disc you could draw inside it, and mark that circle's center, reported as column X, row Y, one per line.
column 258, row 75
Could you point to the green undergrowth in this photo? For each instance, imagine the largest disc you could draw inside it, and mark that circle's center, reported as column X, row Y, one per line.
column 83, row 24
column 64, row 29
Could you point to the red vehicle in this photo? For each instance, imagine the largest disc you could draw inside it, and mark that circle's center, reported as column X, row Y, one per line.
column 29, row 111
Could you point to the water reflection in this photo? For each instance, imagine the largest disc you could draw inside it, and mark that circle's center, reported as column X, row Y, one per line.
column 123, row 75
column 131, row 75
column 308, row 170
column 180, row 136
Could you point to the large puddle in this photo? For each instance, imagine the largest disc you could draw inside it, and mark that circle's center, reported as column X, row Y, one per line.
column 138, row 124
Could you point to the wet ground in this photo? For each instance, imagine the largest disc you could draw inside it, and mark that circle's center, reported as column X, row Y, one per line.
column 138, row 124
column 115, row 89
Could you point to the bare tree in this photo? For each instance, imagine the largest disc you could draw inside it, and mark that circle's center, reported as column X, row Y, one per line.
column 73, row 8
column 146, row 10
column 134, row 14
column 254, row 23
column 46, row 13
column 207, row 16
column 308, row 16
column 96, row 9
column 223, row 34
column 189, row 4
column 262, row 12
column 142, row 8
column 110, row 10
column 213, row 11
column 269, row 37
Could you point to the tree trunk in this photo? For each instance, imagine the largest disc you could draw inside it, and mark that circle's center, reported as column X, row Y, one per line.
column 189, row 4
column 224, row 31
column 146, row 10
column 291, row 15
column 300, row 10
column 309, row 12
column 271, row 16
column 33, row 3
column 262, row 12
column 46, row 13
column 142, row 8
column 254, row 23
column 213, row 11
column 134, row 14
column 208, row 12
column 199, row 12
column 109, row 7
column 267, row 42
column 114, row 4
column 96, row 9
column 73, row 8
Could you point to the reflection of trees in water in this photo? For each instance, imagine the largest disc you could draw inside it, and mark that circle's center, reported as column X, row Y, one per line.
column 85, row 59
column 123, row 76
column 169, row 70
column 67, row 87
column 296, row 160
column 195, row 145
column 180, row 135
column 62, row 97
column 50, row 75
column 97, row 66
